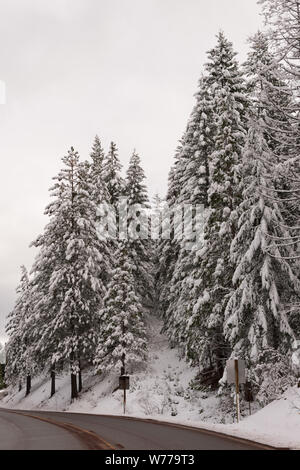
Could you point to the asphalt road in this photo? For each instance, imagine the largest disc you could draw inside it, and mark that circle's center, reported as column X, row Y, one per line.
column 52, row 430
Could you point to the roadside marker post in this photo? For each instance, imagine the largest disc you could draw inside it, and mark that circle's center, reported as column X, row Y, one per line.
column 237, row 389
column 235, row 369
column 124, row 385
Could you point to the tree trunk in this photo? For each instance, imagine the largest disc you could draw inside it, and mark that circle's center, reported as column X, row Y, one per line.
column 20, row 385
column 52, row 380
column 74, row 392
column 79, row 378
column 28, row 384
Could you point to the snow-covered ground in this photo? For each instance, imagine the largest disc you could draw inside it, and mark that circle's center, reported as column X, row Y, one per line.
column 162, row 391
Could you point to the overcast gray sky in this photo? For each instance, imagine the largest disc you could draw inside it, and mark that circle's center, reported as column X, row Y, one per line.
column 125, row 69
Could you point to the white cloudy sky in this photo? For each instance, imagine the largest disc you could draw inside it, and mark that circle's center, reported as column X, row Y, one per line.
column 125, row 69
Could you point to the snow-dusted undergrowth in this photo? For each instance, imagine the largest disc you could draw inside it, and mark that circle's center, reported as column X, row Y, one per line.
column 160, row 389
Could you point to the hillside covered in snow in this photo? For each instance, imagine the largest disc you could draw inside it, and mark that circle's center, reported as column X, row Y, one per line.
column 163, row 390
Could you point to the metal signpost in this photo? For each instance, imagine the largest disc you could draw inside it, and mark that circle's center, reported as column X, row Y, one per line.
column 124, row 385
column 235, row 369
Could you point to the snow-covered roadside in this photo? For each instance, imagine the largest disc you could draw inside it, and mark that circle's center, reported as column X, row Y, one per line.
column 277, row 424
column 161, row 391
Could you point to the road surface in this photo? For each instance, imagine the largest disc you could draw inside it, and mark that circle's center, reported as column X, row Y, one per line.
column 52, row 430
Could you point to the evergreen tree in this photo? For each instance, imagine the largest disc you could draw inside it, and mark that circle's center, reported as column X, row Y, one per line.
column 193, row 184
column 97, row 156
column 206, row 343
column 136, row 191
column 99, row 188
column 112, row 177
column 283, row 16
column 265, row 281
column 138, row 230
column 196, row 148
column 115, row 186
column 68, row 272
column 157, row 215
column 123, row 336
column 169, row 246
column 255, row 318
column 270, row 94
column 101, row 198
column 19, row 350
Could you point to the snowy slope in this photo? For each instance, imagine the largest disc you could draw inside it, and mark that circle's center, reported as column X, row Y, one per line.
column 277, row 424
column 161, row 388
column 161, row 391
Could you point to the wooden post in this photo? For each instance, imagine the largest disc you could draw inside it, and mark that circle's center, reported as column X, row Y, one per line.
column 79, row 377
column 237, row 389
column 28, row 384
column 52, row 380
column 123, row 373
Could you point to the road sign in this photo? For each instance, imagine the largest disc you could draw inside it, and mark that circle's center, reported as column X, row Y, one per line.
column 124, row 382
column 235, row 369
column 231, row 371
column 248, row 394
column 124, row 385
column 2, row 355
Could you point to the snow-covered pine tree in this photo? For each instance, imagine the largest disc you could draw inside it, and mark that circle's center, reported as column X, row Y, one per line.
column 271, row 96
column 112, row 175
column 206, row 344
column 265, row 281
column 168, row 247
column 138, row 230
column 283, row 17
column 193, row 176
column 255, row 318
column 99, row 188
column 97, row 156
column 101, row 198
column 19, row 350
column 196, row 148
column 157, row 215
column 115, row 186
column 136, row 191
column 123, row 335
column 67, row 282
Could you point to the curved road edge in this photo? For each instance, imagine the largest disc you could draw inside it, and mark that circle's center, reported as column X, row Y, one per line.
column 94, row 442
column 230, row 437
column 89, row 438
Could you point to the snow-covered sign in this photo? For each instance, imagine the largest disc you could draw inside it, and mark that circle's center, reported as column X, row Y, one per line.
column 2, row 355
column 232, row 367
column 296, row 355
